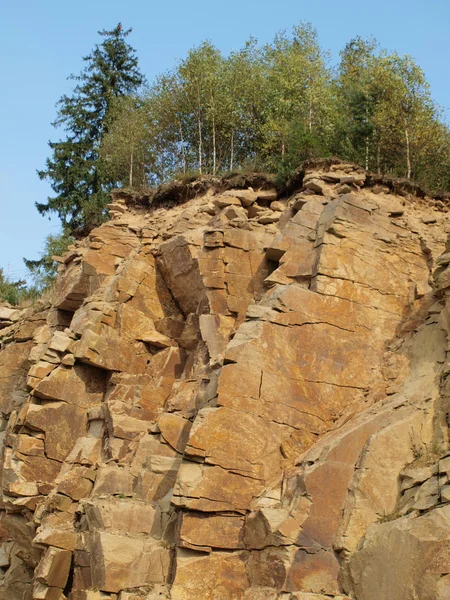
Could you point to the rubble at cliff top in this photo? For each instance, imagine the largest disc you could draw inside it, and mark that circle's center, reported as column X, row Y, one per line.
column 235, row 395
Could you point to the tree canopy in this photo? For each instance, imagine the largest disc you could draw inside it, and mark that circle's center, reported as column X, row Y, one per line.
column 266, row 107
column 81, row 186
column 271, row 107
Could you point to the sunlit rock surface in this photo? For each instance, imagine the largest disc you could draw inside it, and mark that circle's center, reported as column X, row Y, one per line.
column 235, row 396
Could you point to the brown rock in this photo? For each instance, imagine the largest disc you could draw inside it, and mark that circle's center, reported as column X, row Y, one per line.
column 81, row 385
column 315, row 185
column 212, row 489
column 215, row 576
column 53, row 570
column 247, row 407
column 211, row 531
column 113, row 480
column 175, row 430
column 107, row 350
column 48, row 536
column 315, row 573
column 213, row 239
column 119, row 562
column 62, row 423
column 77, row 483
column 226, row 200
column 403, row 538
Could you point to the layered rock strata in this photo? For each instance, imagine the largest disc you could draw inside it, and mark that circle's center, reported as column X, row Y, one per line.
column 235, row 396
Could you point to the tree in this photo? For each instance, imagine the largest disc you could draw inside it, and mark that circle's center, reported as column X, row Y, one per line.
column 356, row 100
column 245, row 80
column 44, row 270
column 172, row 127
column 404, row 109
column 81, row 187
column 199, row 76
column 298, row 85
column 125, row 151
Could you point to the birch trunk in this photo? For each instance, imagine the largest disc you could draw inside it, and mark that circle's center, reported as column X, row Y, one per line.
column 183, row 149
column 367, row 153
column 378, row 158
column 131, row 170
column 408, row 154
column 232, row 150
column 200, row 141
column 213, row 132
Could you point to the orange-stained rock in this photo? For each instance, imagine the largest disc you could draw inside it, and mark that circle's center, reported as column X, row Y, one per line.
column 77, row 483
column 315, row 573
column 112, row 480
column 215, row 576
column 81, row 385
column 49, row 536
column 13, row 372
column 53, row 570
column 175, row 430
column 107, row 350
column 180, row 270
column 238, row 441
column 212, row 489
column 22, row 473
column 235, row 397
column 211, row 531
column 119, row 562
column 269, row 567
column 124, row 516
column 62, row 424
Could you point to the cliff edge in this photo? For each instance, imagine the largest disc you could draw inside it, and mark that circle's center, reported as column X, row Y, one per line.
column 235, row 395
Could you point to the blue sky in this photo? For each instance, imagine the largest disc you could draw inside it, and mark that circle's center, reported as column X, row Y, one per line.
column 43, row 41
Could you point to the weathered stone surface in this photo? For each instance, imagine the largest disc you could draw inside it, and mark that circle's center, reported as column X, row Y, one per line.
column 119, row 562
column 122, row 516
column 113, row 480
column 49, row 536
column 423, row 545
column 235, row 397
column 107, row 350
column 13, row 369
column 83, row 386
column 217, row 576
column 175, row 430
column 53, row 570
column 62, row 424
column 200, row 530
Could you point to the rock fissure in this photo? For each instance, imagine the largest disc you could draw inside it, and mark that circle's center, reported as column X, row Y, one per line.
column 235, row 388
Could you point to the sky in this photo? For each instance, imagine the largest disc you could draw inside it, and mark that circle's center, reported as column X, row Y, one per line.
column 43, row 41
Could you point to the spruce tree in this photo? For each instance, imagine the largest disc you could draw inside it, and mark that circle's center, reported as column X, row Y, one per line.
column 80, row 186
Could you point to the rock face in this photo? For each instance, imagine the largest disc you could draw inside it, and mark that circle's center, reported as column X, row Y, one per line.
column 235, row 397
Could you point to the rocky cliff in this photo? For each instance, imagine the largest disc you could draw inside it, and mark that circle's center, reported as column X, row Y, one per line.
column 235, row 396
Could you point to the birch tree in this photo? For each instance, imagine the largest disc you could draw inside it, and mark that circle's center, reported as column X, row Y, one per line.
column 125, row 153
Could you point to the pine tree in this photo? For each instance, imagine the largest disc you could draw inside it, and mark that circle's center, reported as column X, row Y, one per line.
column 43, row 271
column 80, row 185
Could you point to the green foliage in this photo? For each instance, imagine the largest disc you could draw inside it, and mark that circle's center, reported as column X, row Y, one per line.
column 388, row 121
column 274, row 106
column 126, row 151
column 44, row 270
column 265, row 107
column 15, row 292
column 301, row 144
column 80, row 185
